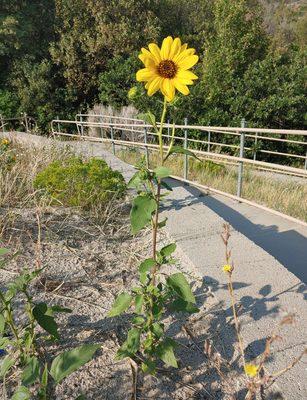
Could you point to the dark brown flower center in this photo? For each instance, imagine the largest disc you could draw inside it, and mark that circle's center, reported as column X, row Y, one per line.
column 167, row 69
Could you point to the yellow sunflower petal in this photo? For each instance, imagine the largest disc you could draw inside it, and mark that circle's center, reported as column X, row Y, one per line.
column 182, row 55
column 183, row 74
column 166, row 47
column 147, row 53
column 183, row 47
column 186, row 81
column 154, row 86
column 148, row 62
column 181, row 87
column 168, row 89
column 188, row 62
column 142, row 57
column 175, row 48
column 145, row 74
column 155, row 51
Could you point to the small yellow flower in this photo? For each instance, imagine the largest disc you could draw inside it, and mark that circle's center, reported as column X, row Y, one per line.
column 227, row 268
column 4, row 142
column 251, row 370
column 166, row 69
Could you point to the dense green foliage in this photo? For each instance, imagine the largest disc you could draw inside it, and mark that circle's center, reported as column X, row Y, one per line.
column 75, row 182
column 61, row 56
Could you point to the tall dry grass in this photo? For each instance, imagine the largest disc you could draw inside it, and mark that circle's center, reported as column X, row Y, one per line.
column 16, row 177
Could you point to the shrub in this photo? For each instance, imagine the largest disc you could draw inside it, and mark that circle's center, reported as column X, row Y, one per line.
column 74, row 182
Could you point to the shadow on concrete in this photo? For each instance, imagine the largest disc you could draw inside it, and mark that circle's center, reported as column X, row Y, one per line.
column 289, row 248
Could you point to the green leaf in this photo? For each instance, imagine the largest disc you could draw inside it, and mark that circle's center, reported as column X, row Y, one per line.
column 140, row 215
column 23, row 280
column 81, row 397
column 4, row 342
column 138, row 320
column 42, row 394
column 47, row 322
column 181, row 305
column 131, row 345
column 121, row 304
column 2, row 323
column 162, row 172
column 144, row 268
column 180, row 150
column 135, row 181
column 139, row 300
column 58, row 308
column 162, row 223
column 6, row 365
column 181, row 286
column 69, row 361
column 148, row 117
column 31, row 372
column 147, row 265
column 22, row 393
column 3, row 251
column 158, row 329
column 148, row 367
column 168, row 250
column 165, row 352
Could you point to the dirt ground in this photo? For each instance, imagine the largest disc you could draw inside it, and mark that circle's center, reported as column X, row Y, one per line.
column 86, row 263
column 84, row 271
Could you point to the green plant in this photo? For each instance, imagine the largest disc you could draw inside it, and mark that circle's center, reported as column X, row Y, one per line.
column 25, row 346
column 157, row 293
column 75, row 182
column 7, row 154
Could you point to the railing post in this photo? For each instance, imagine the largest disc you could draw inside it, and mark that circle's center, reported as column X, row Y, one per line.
column 185, row 145
column 146, row 148
column 81, row 126
column 209, row 138
column 59, row 128
column 112, row 138
column 240, row 166
column 255, row 150
column 101, row 130
column 2, row 122
column 26, row 122
column 168, row 129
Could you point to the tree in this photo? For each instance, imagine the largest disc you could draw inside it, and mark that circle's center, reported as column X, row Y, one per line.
column 118, row 78
column 90, row 33
column 237, row 41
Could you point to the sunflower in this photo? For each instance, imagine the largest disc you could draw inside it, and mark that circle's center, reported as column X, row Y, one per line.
column 166, row 69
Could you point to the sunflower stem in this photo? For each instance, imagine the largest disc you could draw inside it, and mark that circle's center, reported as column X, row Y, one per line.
column 161, row 130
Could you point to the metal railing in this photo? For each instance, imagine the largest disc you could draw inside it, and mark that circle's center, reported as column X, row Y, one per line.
column 24, row 122
column 121, row 131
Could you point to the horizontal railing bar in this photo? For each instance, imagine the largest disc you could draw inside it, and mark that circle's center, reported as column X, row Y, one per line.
column 201, row 128
column 109, row 116
column 197, row 152
column 124, row 128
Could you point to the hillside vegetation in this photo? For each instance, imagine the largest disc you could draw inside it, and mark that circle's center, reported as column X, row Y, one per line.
column 61, row 56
